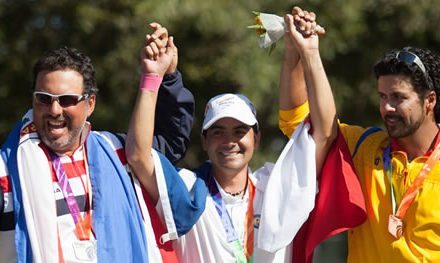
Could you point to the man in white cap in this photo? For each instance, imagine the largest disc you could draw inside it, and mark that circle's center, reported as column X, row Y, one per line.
column 225, row 198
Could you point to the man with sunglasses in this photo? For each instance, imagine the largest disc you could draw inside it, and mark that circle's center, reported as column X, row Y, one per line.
column 398, row 169
column 68, row 196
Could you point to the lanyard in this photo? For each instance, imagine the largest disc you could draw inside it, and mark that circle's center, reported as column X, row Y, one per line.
column 82, row 225
column 395, row 223
column 389, row 172
column 412, row 191
column 242, row 255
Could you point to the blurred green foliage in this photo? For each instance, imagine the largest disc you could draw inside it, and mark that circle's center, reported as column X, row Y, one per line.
column 217, row 53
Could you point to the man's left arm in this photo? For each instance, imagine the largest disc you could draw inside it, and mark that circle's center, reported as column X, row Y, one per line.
column 174, row 117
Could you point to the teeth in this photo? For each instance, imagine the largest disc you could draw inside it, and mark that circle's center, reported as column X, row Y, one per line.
column 56, row 123
column 392, row 119
column 229, row 153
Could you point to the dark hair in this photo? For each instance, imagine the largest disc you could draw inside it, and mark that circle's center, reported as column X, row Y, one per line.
column 423, row 82
column 66, row 58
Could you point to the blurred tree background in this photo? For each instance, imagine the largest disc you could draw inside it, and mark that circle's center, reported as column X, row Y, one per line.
column 217, row 53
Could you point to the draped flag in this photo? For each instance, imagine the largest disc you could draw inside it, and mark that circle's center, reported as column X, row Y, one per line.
column 339, row 205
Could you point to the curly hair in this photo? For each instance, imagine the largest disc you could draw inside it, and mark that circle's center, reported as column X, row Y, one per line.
column 66, row 58
column 423, row 82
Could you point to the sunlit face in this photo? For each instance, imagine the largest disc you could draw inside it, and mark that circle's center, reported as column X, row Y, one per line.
column 60, row 127
column 230, row 145
column 400, row 107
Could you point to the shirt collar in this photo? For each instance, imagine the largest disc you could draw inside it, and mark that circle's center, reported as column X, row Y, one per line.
column 395, row 146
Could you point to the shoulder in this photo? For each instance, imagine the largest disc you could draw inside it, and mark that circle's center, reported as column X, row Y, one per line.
column 116, row 140
column 360, row 138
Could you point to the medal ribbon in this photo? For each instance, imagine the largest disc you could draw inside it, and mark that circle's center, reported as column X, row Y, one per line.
column 82, row 225
column 412, row 191
column 242, row 255
column 249, row 224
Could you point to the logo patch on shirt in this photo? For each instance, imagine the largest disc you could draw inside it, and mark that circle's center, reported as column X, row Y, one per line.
column 257, row 221
column 30, row 128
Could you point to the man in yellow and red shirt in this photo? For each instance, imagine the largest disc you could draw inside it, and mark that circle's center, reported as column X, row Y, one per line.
column 398, row 169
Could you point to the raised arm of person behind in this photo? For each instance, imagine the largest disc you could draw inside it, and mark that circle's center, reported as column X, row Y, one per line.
column 155, row 59
column 158, row 177
column 299, row 95
column 173, row 124
column 293, row 92
column 303, row 43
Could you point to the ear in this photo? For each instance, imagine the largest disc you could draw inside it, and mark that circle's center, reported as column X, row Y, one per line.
column 91, row 103
column 431, row 100
column 257, row 137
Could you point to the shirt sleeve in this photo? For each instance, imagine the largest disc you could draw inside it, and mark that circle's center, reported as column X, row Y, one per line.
column 6, row 204
column 288, row 120
column 1, row 197
column 174, row 118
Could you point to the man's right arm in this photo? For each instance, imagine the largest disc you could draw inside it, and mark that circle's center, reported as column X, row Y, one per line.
column 320, row 97
column 155, row 60
column 292, row 93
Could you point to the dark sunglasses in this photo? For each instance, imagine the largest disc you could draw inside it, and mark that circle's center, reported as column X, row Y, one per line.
column 410, row 58
column 65, row 100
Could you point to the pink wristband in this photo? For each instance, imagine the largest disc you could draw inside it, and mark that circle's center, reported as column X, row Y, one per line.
column 150, row 82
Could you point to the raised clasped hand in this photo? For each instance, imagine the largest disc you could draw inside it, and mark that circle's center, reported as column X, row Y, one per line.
column 159, row 55
column 303, row 32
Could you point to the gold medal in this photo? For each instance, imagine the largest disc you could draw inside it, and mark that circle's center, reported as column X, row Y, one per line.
column 395, row 226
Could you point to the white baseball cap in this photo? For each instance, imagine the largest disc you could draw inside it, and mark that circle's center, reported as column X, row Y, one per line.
column 230, row 105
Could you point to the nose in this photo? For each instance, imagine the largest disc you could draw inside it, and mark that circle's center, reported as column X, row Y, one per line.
column 389, row 107
column 55, row 108
column 227, row 138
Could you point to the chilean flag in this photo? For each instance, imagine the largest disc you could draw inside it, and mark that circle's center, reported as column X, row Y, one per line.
column 339, row 205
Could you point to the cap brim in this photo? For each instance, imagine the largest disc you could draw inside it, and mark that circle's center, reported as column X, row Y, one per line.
column 248, row 119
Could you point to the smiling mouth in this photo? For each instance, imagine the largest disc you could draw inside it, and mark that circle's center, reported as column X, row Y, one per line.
column 227, row 154
column 56, row 123
column 56, row 127
column 392, row 119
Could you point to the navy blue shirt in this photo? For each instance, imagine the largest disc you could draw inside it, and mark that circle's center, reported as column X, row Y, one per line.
column 173, row 124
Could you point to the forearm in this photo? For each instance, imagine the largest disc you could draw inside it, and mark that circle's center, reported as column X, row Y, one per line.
column 293, row 91
column 140, row 139
column 321, row 101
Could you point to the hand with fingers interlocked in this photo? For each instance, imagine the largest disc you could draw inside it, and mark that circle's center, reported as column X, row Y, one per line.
column 159, row 55
column 303, row 30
